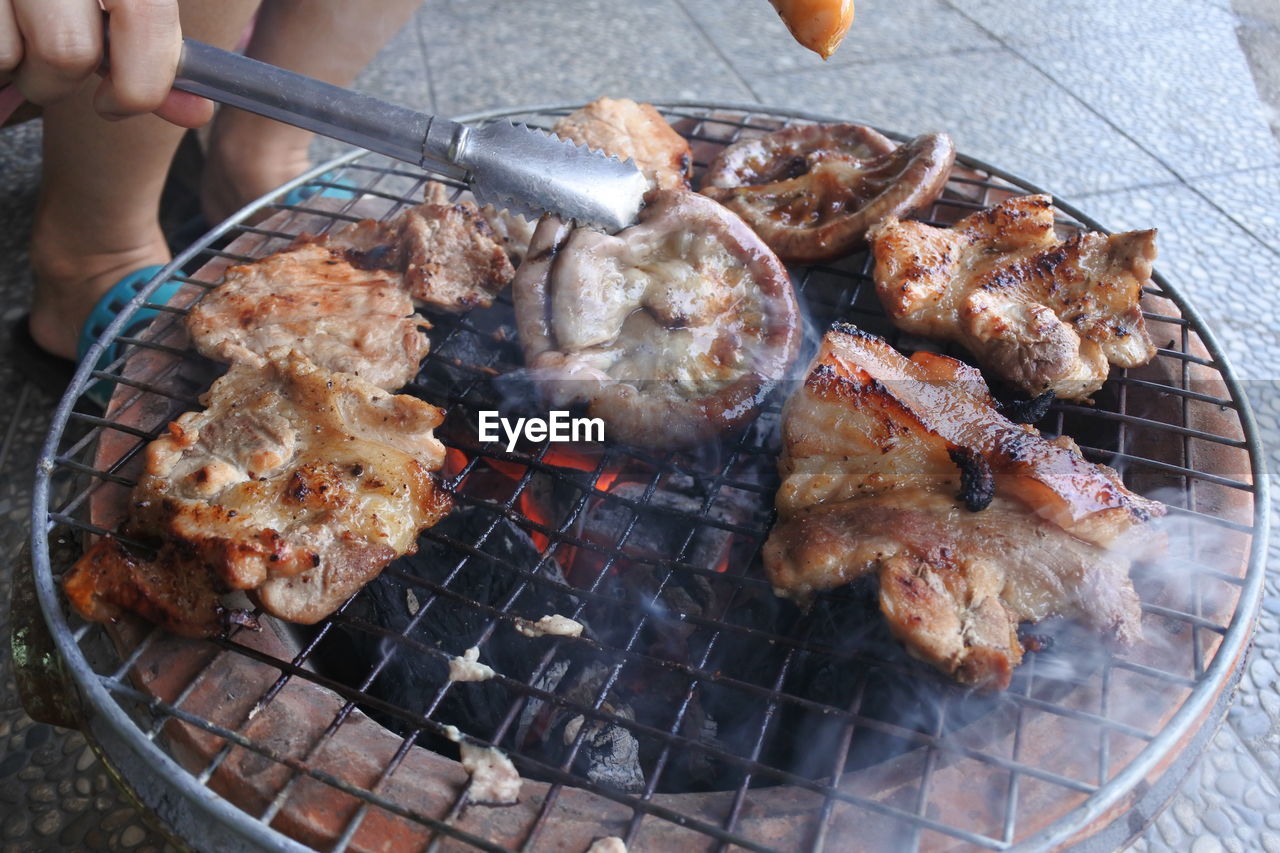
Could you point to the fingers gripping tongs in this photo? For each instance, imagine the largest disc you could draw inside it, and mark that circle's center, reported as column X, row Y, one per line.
column 521, row 169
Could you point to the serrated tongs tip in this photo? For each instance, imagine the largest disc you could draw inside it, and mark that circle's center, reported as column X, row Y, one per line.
column 527, row 171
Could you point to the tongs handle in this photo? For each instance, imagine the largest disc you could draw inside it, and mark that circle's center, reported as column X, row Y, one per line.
column 238, row 81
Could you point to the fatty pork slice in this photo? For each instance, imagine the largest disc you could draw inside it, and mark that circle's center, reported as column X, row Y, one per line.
column 1044, row 313
column 333, row 306
column 295, row 483
column 671, row 331
column 903, row 468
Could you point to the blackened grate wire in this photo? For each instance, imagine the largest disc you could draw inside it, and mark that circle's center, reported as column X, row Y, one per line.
column 935, row 768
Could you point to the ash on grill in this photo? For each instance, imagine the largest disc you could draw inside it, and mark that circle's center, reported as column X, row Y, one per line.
column 418, row 615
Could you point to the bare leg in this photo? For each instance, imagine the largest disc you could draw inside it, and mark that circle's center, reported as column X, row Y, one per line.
column 332, row 40
column 96, row 217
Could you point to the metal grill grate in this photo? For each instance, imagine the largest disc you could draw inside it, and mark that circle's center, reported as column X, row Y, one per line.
column 902, row 758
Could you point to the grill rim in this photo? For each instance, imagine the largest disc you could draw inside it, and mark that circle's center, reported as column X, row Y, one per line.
column 111, row 722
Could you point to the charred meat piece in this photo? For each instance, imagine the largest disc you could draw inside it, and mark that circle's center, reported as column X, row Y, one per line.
column 955, row 584
column 629, row 130
column 1044, row 313
column 812, row 191
column 672, row 331
column 295, row 483
column 1026, row 411
column 885, row 460
column 447, row 253
column 170, row 589
column 331, row 305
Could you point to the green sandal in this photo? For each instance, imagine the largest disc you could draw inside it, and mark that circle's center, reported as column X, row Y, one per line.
column 108, row 308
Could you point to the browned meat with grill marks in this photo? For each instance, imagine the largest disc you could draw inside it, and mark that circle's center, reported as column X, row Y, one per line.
column 447, row 254
column 342, row 313
column 812, row 191
column 1044, row 313
column 295, row 483
column 453, row 259
column 902, row 468
column 626, row 129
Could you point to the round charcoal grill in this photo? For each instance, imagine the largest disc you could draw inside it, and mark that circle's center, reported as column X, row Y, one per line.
column 697, row 709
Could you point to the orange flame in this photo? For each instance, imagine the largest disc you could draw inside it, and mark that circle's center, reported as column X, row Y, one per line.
column 577, row 562
column 454, row 462
column 577, row 459
column 722, row 565
column 532, row 510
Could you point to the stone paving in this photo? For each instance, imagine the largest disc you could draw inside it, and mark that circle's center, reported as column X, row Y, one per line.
column 1143, row 112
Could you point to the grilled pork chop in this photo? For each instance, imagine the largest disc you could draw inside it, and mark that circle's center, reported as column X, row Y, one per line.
column 1047, row 314
column 341, row 313
column 296, row 483
column 904, row 469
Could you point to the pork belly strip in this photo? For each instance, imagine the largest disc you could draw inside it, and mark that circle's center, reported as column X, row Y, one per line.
column 878, row 466
column 313, row 299
column 1044, row 313
column 869, row 419
column 295, row 483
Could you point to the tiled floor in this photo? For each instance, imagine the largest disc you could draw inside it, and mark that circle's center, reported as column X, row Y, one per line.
column 1143, row 112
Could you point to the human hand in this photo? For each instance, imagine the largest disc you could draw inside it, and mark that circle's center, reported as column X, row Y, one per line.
column 49, row 48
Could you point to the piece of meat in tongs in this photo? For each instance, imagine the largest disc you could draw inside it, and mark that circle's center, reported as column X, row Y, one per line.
column 521, row 169
column 903, row 468
column 619, row 127
column 295, row 483
column 671, row 331
column 1044, row 313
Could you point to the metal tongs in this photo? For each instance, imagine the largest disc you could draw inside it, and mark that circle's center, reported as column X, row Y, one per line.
column 513, row 167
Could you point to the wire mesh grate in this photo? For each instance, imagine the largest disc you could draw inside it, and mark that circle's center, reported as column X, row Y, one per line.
column 754, row 725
